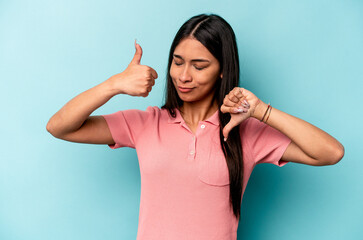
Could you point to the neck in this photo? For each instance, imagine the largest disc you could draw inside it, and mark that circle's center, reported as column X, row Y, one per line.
column 193, row 112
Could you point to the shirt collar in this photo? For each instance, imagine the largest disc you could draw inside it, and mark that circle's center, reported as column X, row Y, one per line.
column 214, row 119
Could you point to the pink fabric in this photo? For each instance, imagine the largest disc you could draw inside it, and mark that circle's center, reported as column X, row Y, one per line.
column 184, row 177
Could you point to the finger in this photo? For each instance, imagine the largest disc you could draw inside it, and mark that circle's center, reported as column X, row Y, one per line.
column 224, row 109
column 243, row 102
column 138, row 54
column 238, row 93
column 232, row 97
column 154, row 73
column 241, row 98
column 234, row 109
column 226, row 130
column 229, row 103
column 145, row 94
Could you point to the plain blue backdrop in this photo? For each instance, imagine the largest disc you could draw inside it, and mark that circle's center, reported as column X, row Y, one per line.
column 305, row 57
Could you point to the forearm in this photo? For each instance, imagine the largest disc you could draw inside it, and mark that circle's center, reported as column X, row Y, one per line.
column 313, row 141
column 73, row 114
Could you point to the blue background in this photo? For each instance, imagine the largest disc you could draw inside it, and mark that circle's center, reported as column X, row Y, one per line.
column 305, row 57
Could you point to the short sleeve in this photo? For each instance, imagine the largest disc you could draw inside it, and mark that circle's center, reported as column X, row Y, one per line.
column 267, row 144
column 125, row 126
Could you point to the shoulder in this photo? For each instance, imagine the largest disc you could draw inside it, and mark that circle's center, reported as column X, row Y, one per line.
column 263, row 140
column 134, row 116
column 250, row 125
column 158, row 112
column 150, row 110
column 254, row 132
column 150, row 114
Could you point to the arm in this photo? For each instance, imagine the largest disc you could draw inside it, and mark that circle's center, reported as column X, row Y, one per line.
column 73, row 121
column 310, row 145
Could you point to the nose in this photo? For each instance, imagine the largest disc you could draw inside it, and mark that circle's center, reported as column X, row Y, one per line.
column 184, row 75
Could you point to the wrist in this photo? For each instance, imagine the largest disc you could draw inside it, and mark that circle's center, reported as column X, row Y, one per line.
column 260, row 110
column 111, row 85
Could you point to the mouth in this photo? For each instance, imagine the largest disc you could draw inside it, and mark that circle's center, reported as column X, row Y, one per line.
column 185, row 90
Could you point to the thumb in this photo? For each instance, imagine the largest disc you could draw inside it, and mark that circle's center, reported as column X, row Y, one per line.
column 226, row 130
column 138, row 54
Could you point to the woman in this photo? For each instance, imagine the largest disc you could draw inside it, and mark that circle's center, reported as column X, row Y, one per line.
column 197, row 152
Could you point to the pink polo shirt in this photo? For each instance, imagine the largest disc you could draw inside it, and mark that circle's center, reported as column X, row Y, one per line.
column 184, row 176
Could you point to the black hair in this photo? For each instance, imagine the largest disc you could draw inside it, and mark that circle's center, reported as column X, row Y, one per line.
column 218, row 37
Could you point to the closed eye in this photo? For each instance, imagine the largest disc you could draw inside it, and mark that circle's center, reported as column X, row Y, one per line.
column 198, row 68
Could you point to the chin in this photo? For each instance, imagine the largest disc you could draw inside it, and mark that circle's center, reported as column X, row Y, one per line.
column 188, row 98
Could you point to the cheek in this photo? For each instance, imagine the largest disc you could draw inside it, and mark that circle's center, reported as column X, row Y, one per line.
column 207, row 79
column 204, row 79
column 173, row 73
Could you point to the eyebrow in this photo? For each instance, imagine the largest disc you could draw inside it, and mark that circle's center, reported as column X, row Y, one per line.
column 193, row 60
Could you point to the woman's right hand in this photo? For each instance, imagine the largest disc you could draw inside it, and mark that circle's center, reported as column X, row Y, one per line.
column 137, row 79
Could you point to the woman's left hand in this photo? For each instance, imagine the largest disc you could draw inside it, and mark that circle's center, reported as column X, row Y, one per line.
column 241, row 104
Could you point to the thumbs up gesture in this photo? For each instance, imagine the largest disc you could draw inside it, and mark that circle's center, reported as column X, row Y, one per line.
column 136, row 79
column 241, row 104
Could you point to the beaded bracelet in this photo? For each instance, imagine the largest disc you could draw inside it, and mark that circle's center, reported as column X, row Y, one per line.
column 265, row 112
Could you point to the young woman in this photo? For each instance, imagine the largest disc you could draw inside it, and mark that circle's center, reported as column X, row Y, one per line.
column 197, row 151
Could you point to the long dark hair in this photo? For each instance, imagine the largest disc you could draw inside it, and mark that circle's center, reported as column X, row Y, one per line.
column 218, row 37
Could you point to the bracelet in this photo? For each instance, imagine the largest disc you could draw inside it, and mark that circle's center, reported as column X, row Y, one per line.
column 269, row 113
column 265, row 112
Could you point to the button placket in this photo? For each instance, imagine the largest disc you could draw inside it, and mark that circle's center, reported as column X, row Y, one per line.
column 193, row 145
column 191, row 153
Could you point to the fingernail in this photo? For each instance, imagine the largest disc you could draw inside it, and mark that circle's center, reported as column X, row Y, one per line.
column 245, row 106
column 246, row 102
column 239, row 109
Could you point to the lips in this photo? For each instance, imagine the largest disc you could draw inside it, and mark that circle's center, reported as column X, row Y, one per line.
column 185, row 89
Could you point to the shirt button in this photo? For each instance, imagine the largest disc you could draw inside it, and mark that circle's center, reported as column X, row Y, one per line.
column 191, row 152
column 203, row 126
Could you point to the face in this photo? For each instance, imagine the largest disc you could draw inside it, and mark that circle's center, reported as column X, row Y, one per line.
column 194, row 71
